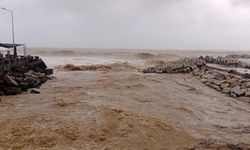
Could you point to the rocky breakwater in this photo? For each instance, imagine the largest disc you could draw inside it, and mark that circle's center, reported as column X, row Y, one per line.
column 20, row 74
column 185, row 65
column 228, row 83
column 239, row 56
column 226, row 61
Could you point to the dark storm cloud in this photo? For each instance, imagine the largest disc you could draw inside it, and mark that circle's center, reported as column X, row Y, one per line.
column 165, row 24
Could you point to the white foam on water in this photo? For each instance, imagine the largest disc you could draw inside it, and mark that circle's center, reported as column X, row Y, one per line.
column 59, row 60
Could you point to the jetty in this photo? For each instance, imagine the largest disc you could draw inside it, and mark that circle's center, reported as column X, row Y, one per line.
column 227, row 74
column 20, row 72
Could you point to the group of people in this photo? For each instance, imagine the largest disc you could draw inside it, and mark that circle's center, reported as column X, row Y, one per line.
column 2, row 53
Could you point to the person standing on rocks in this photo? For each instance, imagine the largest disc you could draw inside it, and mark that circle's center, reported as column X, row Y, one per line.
column 8, row 53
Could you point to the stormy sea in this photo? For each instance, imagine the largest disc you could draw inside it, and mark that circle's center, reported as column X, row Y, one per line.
column 101, row 99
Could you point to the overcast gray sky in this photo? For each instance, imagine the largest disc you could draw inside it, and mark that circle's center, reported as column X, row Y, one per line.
column 154, row 24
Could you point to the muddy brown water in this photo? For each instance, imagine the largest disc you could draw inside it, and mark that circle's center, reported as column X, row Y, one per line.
column 121, row 109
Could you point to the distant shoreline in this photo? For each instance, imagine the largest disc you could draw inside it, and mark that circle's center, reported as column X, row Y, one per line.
column 141, row 49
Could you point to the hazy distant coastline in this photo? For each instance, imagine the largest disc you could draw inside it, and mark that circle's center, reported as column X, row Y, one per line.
column 86, row 56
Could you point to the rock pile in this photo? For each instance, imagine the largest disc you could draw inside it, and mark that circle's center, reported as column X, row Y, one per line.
column 232, row 62
column 185, row 65
column 227, row 83
column 17, row 76
column 238, row 56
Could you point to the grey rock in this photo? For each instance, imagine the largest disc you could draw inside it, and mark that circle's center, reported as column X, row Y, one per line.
column 203, row 80
column 29, row 73
column 32, row 82
column 210, row 80
column 211, row 85
column 225, row 90
column 12, row 91
column 21, row 73
column 247, row 84
column 227, row 77
column 207, row 83
column 10, row 81
column 24, row 86
column 209, row 76
column 241, row 92
column 218, row 82
column 49, row 71
column 233, row 82
column 233, row 95
column 238, row 91
column 224, row 85
column 201, row 73
column 247, row 94
column 34, row 92
column 235, row 89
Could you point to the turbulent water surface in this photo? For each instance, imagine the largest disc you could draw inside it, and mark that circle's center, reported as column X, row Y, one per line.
column 101, row 100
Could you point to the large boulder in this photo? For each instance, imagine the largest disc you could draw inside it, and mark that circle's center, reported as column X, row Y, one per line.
column 247, row 94
column 213, row 86
column 225, row 90
column 233, row 82
column 247, row 84
column 32, row 82
column 24, row 86
column 208, row 76
column 10, row 81
column 218, row 82
column 34, row 92
column 238, row 91
column 235, row 89
column 19, row 74
column 49, row 71
column 12, row 90
column 224, row 85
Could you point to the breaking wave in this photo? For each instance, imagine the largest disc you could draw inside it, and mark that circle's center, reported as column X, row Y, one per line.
column 120, row 66
column 145, row 55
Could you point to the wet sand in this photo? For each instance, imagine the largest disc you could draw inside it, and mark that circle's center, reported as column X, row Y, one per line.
column 121, row 108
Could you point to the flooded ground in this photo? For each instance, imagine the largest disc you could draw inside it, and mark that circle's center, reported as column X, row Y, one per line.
column 124, row 109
